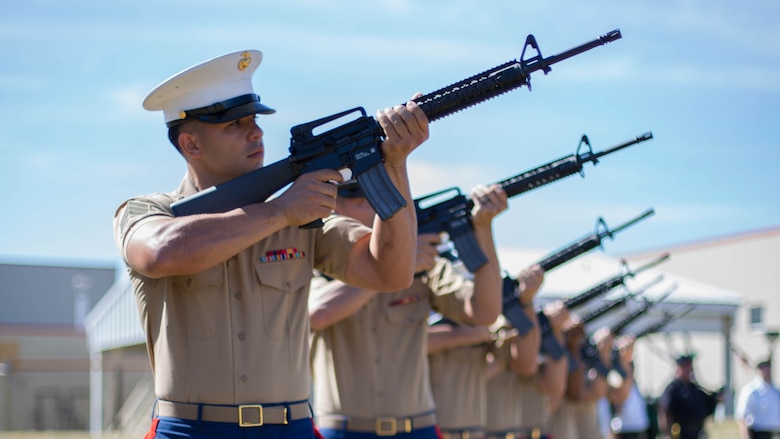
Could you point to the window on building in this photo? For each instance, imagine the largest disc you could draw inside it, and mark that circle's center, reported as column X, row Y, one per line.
column 757, row 317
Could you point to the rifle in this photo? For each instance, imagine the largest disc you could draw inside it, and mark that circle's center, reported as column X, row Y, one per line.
column 511, row 307
column 581, row 298
column 453, row 215
column 611, row 283
column 550, row 346
column 587, row 243
column 605, row 307
column 355, row 144
column 618, row 327
column 661, row 322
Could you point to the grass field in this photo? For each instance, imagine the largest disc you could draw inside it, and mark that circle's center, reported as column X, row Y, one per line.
column 721, row 430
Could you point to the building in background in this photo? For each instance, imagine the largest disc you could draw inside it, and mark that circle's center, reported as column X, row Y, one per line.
column 44, row 362
column 747, row 263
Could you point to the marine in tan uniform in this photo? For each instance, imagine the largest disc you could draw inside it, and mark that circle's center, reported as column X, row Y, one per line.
column 457, row 355
column 577, row 417
column 543, row 391
column 458, row 365
column 512, row 362
column 369, row 350
column 223, row 297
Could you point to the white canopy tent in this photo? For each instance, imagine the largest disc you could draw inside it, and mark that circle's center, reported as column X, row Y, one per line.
column 713, row 308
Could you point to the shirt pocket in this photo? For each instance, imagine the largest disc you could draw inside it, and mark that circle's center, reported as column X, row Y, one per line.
column 195, row 303
column 284, row 312
column 407, row 309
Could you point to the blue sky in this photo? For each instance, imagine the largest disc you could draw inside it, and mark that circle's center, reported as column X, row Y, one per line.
column 702, row 76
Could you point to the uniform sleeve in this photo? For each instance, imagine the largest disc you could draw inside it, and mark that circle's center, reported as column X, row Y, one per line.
column 334, row 244
column 742, row 403
column 135, row 210
column 450, row 290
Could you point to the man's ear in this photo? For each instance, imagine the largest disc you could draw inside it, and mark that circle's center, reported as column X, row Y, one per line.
column 188, row 143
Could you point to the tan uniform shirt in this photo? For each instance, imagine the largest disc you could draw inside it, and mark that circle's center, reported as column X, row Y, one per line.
column 587, row 419
column 534, row 406
column 238, row 332
column 504, row 413
column 563, row 421
column 374, row 363
column 459, row 387
column 575, row 420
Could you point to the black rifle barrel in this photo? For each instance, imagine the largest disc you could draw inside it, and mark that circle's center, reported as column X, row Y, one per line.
column 663, row 322
column 618, row 327
column 561, row 168
column 610, row 284
column 500, row 79
column 593, row 157
column 587, row 243
column 607, row 306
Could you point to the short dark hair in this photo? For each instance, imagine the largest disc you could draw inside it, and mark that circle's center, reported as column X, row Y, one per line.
column 173, row 135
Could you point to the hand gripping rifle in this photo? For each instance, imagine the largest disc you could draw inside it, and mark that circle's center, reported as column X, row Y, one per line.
column 355, row 144
column 454, row 214
column 511, row 307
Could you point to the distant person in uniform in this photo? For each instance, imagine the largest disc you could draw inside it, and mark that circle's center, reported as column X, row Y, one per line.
column 369, row 349
column 758, row 406
column 684, row 404
column 223, row 296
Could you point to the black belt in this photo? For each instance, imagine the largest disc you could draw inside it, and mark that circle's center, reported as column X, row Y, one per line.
column 380, row 426
column 245, row 415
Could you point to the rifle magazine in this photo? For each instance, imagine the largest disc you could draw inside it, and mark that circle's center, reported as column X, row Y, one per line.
column 380, row 191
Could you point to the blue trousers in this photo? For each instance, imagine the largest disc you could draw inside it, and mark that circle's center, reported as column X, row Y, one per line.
column 422, row 433
column 175, row 428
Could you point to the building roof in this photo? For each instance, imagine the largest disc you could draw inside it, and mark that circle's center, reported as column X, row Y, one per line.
column 53, row 296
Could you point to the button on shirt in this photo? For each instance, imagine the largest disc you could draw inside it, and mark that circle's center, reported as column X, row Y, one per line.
column 759, row 406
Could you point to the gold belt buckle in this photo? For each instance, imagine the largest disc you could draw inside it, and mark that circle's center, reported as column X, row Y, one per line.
column 241, row 422
column 385, row 426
